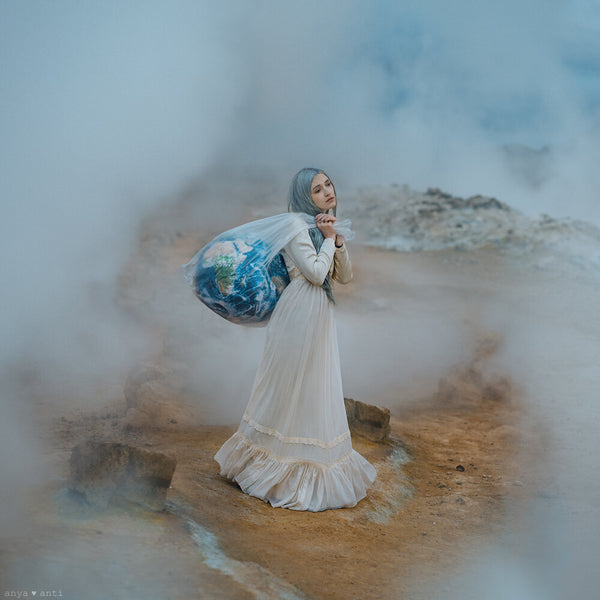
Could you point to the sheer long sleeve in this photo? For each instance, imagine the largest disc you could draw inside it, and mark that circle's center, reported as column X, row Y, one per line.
column 342, row 267
column 312, row 264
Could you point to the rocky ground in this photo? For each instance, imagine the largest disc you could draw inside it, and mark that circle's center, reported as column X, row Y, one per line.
column 403, row 219
column 455, row 473
column 447, row 479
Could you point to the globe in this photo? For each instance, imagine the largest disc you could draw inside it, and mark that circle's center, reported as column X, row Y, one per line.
column 234, row 279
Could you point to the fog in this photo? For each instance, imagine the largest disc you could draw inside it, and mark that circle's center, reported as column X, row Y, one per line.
column 103, row 117
column 110, row 110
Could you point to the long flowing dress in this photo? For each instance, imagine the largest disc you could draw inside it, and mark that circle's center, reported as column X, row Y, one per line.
column 293, row 446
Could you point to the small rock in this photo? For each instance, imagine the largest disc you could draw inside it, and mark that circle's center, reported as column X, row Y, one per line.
column 499, row 389
column 156, row 406
column 372, row 422
column 460, row 468
column 104, row 471
column 482, row 202
column 136, row 378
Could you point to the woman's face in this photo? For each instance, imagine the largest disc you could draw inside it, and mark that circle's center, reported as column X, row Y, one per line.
column 322, row 192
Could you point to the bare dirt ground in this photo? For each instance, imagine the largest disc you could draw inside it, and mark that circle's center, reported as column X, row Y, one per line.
column 422, row 515
column 451, row 475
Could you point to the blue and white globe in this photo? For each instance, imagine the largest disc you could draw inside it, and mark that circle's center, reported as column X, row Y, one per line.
column 234, row 280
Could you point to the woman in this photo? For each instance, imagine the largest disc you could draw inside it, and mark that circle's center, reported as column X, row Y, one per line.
column 293, row 446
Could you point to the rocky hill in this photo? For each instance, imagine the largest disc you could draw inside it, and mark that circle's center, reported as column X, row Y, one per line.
column 402, row 219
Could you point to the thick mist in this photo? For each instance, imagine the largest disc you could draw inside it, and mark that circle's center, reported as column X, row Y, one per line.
column 111, row 109
column 500, row 100
column 105, row 113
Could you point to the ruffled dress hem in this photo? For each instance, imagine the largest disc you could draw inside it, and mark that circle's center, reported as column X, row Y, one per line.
column 294, row 483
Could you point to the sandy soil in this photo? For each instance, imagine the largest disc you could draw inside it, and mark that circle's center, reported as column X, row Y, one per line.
column 423, row 513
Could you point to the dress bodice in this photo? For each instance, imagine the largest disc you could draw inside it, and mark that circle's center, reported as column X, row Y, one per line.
column 302, row 260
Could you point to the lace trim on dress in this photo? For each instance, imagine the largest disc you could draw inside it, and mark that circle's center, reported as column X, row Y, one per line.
column 240, row 439
column 296, row 440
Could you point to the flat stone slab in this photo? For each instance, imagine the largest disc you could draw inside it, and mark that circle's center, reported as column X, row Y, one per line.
column 106, row 471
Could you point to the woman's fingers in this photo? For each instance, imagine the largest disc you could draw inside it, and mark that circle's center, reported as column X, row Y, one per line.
column 325, row 218
column 327, row 231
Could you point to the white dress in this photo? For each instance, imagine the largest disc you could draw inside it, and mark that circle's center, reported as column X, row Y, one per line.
column 293, row 446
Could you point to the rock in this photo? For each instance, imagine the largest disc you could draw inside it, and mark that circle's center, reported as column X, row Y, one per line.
column 136, row 378
column 468, row 385
column 372, row 422
column 407, row 220
column 154, row 406
column 483, row 202
column 462, row 385
column 151, row 401
column 437, row 192
column 106, row 471
column 471, row 384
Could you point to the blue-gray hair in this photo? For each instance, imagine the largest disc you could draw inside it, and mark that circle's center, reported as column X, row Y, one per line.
column 300, row 200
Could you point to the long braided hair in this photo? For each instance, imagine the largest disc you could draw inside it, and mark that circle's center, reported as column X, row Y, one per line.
column 300, row 200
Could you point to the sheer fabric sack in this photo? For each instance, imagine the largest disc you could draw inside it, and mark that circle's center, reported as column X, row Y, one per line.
column 241, row 274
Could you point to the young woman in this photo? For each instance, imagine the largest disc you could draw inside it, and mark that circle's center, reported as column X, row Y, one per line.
column 293, row 446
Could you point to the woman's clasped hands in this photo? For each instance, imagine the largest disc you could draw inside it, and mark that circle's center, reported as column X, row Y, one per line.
column 325, row 224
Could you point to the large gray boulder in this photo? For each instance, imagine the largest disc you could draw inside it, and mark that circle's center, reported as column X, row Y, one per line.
column 104, row 472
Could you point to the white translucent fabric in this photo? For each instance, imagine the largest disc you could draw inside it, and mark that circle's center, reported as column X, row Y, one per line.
column 275, row 231
column 293, row 446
